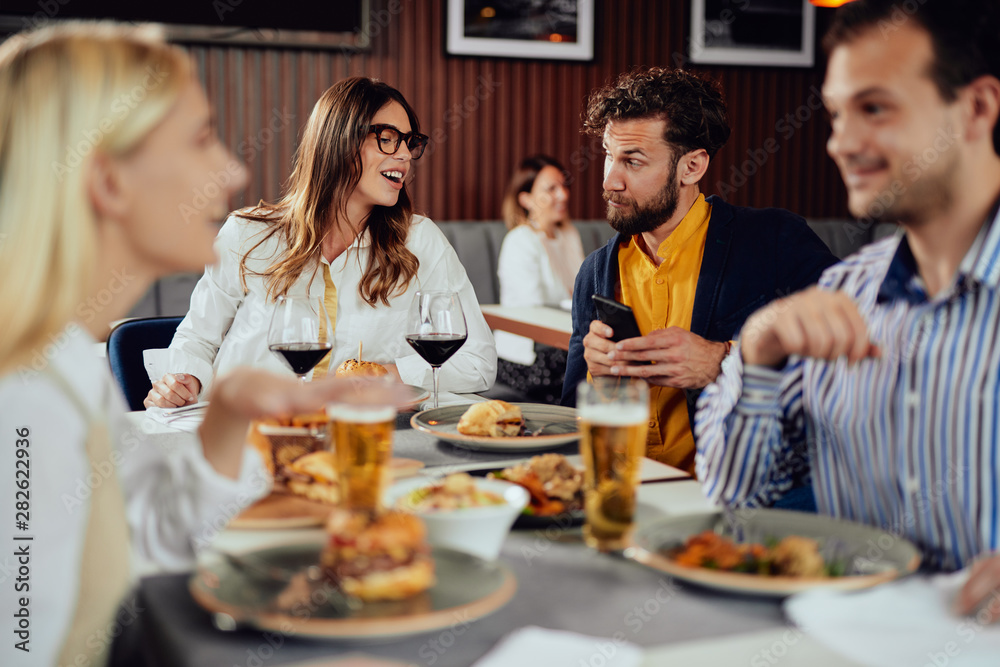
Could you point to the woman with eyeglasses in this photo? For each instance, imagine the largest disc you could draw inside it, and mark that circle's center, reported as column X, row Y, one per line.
column 345, row 229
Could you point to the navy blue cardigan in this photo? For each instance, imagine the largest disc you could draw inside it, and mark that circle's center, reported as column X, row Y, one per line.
column 752, row 256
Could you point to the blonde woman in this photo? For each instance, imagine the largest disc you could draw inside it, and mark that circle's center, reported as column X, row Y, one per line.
column 345, row 230
column 539, row 259
column 91, row 190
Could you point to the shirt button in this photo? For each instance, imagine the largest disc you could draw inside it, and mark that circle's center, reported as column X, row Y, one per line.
column 659, row 281
column 912, row 399
column 912, row 485
column 652, row 424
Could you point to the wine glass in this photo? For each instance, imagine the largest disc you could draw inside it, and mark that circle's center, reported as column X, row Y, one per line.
column 300, row 334
column 435, row 328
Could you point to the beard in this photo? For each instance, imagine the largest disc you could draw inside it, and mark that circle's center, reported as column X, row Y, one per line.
column 645, row 217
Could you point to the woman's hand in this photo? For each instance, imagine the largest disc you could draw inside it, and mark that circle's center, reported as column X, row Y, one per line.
column 173, row 391
column 247, row 393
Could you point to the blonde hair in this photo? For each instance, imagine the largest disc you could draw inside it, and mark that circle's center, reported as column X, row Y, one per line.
column 67, row 93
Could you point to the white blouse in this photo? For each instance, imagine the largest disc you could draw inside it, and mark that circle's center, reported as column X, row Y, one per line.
column 533, row 271
column 174, row 499
column 226, row 328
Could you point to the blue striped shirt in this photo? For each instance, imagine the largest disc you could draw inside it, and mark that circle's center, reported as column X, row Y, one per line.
column 906, row 442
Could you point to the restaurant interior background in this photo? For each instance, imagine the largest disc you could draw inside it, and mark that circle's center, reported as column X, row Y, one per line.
column 484, row 114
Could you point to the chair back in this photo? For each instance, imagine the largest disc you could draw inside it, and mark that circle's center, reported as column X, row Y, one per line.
column 125, row 346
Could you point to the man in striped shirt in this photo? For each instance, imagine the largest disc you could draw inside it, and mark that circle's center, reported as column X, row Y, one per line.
column 884, row 381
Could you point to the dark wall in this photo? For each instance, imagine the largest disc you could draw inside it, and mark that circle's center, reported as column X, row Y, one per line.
column 485, row 114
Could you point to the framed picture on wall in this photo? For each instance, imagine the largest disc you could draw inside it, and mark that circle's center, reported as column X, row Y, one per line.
column 551, row 29
column 753, row 32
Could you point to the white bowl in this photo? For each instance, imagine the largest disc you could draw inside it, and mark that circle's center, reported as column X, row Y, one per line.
column 479, row 531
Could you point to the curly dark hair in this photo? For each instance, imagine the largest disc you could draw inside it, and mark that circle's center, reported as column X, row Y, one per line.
column 693, row 107
column 964, row 34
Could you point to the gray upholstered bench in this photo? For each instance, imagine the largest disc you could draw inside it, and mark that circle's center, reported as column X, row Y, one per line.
column 478, row 246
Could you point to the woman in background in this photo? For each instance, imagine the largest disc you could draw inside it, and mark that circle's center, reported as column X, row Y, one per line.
column 344, row 230
column 539, row 259
column 91, row 194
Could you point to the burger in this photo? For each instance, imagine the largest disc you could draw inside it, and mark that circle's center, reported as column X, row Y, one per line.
column 495, row 419
column 281, row 441
column 381, row 556
column 313, row 476
column 356, row 368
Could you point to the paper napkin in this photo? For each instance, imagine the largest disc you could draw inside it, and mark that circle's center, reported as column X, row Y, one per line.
column 909, row 623
column 532, row 645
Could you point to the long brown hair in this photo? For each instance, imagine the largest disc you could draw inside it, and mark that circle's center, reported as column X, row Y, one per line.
column 523, row 180
column 327, row 169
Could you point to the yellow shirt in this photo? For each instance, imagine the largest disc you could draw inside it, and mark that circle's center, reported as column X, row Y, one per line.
column 663, row 296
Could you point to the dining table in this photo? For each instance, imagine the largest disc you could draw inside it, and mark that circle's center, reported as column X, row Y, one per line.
column 561, row 585
column 542, row 324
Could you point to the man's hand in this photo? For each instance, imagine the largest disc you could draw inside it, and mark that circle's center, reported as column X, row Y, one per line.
column 680, row 358
column 596, row 346
column 814, row 323
column 173, row 391
column 983, row 586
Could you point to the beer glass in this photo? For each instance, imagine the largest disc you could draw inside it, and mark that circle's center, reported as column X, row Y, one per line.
column 362, row 427
column 614, row 413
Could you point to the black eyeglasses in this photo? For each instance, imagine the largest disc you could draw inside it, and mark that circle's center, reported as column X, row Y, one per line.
column 389, row 138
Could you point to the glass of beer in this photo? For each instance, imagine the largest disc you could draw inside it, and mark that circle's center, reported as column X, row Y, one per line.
column 613, row 415
column 362, row 440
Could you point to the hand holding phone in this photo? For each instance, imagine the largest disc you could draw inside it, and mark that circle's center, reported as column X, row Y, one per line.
column 618, row 316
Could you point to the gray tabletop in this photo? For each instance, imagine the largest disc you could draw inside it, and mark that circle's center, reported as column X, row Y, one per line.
column 561, row 585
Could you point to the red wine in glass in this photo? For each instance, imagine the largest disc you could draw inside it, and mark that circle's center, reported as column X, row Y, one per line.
column 300, row 357
column 436, row 348
column 300, row 334
column 435, row 328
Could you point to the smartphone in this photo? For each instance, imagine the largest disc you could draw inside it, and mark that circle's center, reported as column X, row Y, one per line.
column 618, row 316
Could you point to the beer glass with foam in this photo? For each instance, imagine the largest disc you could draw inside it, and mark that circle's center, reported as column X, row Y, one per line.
column 614, row 413
column 362, row 427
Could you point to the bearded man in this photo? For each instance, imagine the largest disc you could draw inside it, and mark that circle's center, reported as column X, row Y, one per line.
column 692, row 269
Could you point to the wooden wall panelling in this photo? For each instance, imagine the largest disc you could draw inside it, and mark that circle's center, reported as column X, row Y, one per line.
column 488, row 113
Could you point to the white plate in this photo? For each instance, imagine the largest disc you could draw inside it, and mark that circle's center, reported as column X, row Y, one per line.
column 559, row 424
column 843, row 541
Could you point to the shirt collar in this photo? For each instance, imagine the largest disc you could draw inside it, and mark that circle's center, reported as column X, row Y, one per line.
column 697, row 215
column 362, row 240
column 981, row 265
